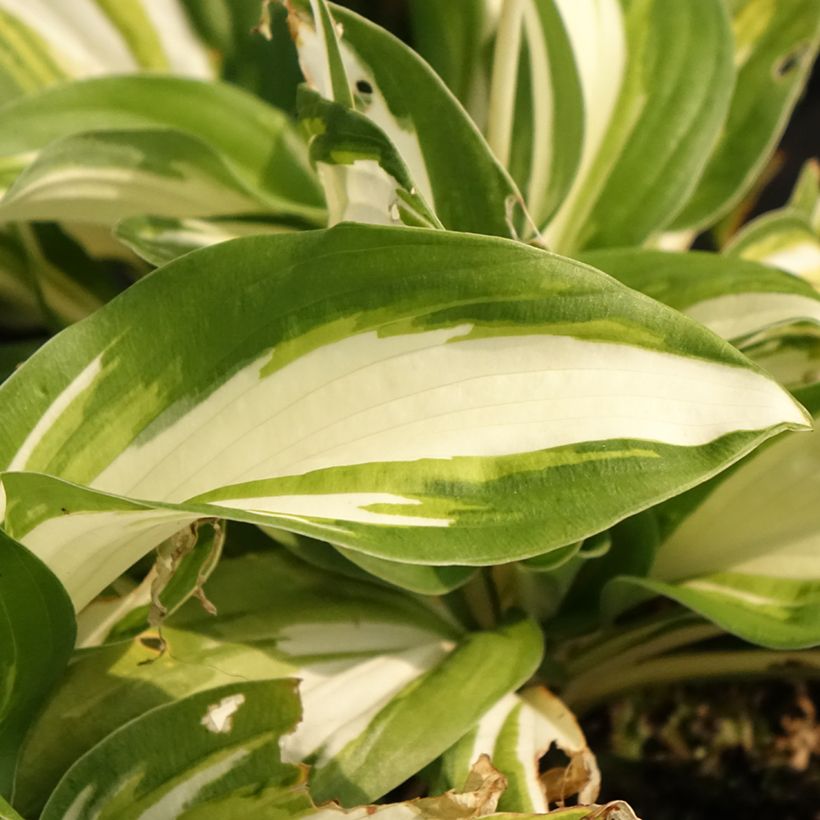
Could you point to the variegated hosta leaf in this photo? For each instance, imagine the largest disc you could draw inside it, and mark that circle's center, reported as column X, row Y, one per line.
column 500, row 389
column 788, row 238
column 451, row 38
column 160, row 240
column 101, row 177
column 775, row 46
column 359, row 65
column 364, row 177
column 541, row 121
column 656, row 80
column 213, row 746
column 44, row 42
column 515, row 734
column 783, row 240
column 744, row 550
column 773, row 317
column 258, row 143
column 732, row 297
column 387, row 683
column 37, row 631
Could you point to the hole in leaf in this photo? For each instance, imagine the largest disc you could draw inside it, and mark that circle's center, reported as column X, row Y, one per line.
column 789, row 62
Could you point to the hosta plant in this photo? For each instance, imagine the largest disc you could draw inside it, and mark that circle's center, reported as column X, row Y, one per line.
column 377, row 423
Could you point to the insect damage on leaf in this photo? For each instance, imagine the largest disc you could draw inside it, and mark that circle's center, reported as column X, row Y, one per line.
column 219, row 716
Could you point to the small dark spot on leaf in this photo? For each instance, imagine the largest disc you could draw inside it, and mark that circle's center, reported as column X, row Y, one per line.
column 789, row 62
column 149, row 642
column 64, row 510
column 364, row 87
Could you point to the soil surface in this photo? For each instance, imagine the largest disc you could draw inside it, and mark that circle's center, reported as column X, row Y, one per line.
column 702, row 752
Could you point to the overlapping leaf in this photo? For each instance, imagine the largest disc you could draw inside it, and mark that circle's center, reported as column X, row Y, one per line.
column 515, row 734
column 788, row 238
column 771, row 316
column 742, row 550
column 226, row 135
column 775, row 46
column 412, row 423
column 37, row 635
column 42, row 43
column 211, row 747
column 377, row 668
column 656, row 86
column 448, row 164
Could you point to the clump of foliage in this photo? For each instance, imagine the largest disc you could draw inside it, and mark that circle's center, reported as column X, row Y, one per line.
column 425, row 418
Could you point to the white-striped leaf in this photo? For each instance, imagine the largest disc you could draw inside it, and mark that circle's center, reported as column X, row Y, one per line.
column 515, row 734
column 37, row 632
column 775, row 46
column 783, row 240
column 789, row 238
column 445, row 156
column 222, row 744
column 257, row 143
column 537, row 110
column 43, row 42
column 377, row 668
column 656, row 81
column 411, row 423
column 737, row 299
column 743, row 550
column 104, row 176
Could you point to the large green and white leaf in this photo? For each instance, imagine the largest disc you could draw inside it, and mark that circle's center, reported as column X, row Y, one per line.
column 536, row 109
column 743, row 550
column 775, row 46
column 42, row 42
column 515, row 734
column 377, row 667
column 37, row 632
column 101, row 177
column 213, row 746
column 446, row 158
column 411, row 423
column 660, row 88
column 258, row 143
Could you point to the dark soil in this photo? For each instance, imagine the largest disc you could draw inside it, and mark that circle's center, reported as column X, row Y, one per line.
column 701, row 752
